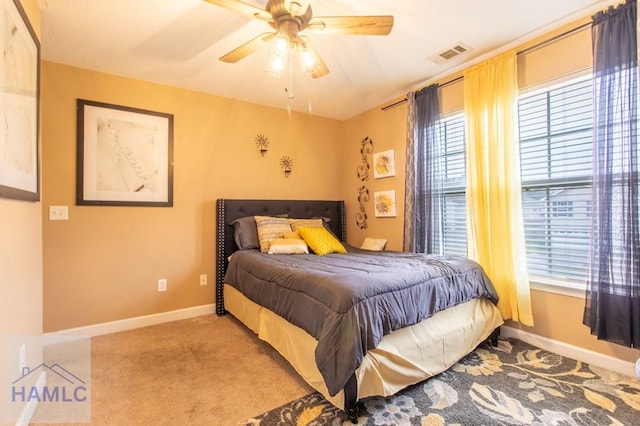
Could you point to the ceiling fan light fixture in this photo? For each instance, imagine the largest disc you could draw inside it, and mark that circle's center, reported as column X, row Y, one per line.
column 308, row 60
column 289, row 18
column 280, row 47
column 279, row 53
column 276, row 66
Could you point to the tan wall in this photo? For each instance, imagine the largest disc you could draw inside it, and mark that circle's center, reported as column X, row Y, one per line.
column 104, row 262
column 387, row 130
column 559, row 318
column 21, row 258
column 556, row 316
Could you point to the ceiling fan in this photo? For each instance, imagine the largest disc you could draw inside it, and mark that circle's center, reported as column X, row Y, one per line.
column 289, row 18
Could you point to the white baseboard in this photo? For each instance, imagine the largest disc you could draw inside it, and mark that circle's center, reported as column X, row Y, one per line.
column 32, row 404
column 561, row 348
column 571, row 351
column 135, row 322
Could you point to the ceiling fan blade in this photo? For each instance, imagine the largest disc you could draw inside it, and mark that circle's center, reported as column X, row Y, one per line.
column 311, row 60
column 243, row 8
column 359, row 25
column 297, row 7
column 249, row 47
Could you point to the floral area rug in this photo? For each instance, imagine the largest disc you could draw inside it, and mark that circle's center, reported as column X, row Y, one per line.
column 511, row 384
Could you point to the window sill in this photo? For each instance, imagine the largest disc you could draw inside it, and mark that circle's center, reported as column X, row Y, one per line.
column 565, row 288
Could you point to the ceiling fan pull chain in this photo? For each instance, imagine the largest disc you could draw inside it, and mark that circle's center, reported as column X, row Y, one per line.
column 288, row 78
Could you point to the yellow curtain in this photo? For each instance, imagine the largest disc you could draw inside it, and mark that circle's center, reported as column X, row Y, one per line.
column 495, row 232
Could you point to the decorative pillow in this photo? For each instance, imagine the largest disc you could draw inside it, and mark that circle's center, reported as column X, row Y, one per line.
column 326, row 222
column 297, row 223
column 269, row 228
column 245, row 233
column 288, row 246
column 292, row 234
column 376, row 244
column 321, row 241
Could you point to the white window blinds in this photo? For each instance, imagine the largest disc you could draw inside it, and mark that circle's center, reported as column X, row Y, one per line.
column 452, row 164
column 555, row 153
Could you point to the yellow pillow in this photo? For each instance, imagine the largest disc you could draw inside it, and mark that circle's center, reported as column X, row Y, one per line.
column 320, row 240
column 293, row 234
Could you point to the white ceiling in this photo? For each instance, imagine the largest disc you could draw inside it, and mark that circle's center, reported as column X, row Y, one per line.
column 178, row 43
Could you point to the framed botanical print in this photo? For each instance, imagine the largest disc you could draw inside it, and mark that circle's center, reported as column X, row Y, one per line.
column 385, row 203
column 384, row 164
column 125, row 156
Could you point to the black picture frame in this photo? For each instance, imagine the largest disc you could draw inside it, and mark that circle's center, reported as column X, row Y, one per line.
column 19, row 105
column 124, row 156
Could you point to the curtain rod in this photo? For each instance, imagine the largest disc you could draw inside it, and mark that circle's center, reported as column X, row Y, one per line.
column 554, row 38
column 528, row 49
column 402, row 101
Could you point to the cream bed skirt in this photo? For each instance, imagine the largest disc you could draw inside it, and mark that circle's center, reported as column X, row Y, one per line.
column 402, row 358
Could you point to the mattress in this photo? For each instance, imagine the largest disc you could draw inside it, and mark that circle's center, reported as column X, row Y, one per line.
column 348, row 302
column 402, row 358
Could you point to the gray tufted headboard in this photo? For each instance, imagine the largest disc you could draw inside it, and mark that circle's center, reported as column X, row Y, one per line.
column 228, row 210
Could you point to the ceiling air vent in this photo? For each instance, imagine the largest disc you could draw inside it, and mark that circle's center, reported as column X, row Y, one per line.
column 450, row 53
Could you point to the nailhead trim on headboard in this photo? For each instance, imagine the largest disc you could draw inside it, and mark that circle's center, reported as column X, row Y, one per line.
column 229, row 209
column 220, row 261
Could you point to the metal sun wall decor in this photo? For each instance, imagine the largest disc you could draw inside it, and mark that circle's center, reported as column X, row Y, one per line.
column 262, row 142
column 287, row 164
column 366, row 148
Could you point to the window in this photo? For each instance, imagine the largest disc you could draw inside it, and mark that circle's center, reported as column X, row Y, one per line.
column 555, row 155
column 454, row 214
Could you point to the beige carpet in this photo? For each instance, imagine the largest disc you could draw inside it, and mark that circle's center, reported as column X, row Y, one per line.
column 207, row 370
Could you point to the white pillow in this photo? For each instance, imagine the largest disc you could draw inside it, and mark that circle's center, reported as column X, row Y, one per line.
column 376, row 244
column 288, row 246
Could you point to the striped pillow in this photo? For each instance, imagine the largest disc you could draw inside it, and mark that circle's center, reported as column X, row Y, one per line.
column 269, row 228
column 297, row 223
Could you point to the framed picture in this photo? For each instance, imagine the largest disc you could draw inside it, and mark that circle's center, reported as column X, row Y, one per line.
column 384, row 164
column 385, row 203
column 125, row 156
column 19, row 104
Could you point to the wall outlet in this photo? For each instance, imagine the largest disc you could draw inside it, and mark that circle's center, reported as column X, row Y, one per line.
column 58, row 212
column 162, row 284
column 203, row 279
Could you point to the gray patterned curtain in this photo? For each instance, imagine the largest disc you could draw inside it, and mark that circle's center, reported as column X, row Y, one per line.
column 423, row 199
column 612, row 308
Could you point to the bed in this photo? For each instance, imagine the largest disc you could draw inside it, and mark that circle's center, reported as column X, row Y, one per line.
column 389, row 329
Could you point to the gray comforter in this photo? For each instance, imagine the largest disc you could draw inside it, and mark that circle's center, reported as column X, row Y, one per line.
column 349, row 301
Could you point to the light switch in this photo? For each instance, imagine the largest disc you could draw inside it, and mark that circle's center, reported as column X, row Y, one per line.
column 58, row 212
